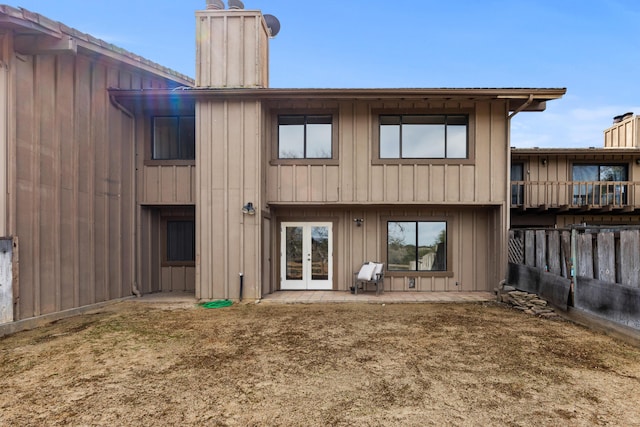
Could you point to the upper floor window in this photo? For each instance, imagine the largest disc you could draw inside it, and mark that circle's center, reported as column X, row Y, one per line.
column 591, row 184
column 417, row 246
column 174, row 138
column 424, row 137
column 517, row 189
column 599, row 172
column 305, row 137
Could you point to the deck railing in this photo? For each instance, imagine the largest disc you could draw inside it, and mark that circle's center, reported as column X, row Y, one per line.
column 572, row 194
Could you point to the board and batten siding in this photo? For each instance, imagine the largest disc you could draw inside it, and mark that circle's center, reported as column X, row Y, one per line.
column 73, row 204
column 168, row 184
column 229, row 175
column 356, row 179
column 470, row 235
column 625, row 134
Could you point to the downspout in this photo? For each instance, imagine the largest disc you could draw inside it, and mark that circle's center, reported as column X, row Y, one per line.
column 519, row 109
column 508, row 193
column 136, row 215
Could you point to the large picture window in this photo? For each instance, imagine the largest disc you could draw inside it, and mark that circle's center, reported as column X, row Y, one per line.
column 305, row 137
column 424, row 137
column 181, row 241
column 174, row 138
column 417, row 246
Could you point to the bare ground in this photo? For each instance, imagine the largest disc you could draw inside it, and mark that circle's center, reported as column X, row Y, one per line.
column 322, row 364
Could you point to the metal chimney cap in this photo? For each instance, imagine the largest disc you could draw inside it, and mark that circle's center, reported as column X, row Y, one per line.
column 215, row 4
column 236, row 4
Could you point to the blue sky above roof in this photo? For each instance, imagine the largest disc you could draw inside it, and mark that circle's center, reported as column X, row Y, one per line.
column 591, row 47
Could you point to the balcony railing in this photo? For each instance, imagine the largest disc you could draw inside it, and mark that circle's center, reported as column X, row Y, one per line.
column 620, row 195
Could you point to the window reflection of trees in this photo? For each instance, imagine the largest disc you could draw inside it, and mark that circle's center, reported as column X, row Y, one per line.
column 416, row 246
column 294, row 253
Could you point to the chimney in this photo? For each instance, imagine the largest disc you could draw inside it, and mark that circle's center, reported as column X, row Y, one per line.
column 232, row 47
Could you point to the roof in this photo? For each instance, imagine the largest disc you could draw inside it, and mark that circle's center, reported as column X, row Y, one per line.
column 544, row 151
column 520, row 99
column 43, row 34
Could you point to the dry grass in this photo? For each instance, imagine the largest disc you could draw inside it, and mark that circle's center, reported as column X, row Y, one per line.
column 324, row 364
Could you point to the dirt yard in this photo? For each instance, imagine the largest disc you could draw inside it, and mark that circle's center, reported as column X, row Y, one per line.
column 323, row 364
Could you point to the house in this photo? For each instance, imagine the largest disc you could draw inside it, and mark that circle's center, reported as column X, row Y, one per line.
column 295, row 188
column 556, row 187
column 67, row 162
column 129, row 178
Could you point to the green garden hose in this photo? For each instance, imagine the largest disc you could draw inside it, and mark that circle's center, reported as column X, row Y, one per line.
column 221, row 303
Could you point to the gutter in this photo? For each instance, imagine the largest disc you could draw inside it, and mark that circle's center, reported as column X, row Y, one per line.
column 522, row 107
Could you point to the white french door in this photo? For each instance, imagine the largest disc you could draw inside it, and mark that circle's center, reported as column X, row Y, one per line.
column 306, row 256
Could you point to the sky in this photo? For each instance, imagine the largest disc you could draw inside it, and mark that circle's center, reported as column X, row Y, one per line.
column 589, row 47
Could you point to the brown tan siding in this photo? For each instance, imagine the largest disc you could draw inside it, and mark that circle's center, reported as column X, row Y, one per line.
column 625, row 134
column 229, row 176
column 168, row 184
column 471, row 235
column 357, row 178
column 74, row 178
column 232, row 49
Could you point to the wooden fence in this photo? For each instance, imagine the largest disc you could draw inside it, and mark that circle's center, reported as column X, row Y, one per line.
column 600, row 264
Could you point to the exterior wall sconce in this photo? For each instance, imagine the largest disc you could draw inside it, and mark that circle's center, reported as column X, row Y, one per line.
column 358, row 221
column 544, row 162
column 638, row 161
column 248, row 209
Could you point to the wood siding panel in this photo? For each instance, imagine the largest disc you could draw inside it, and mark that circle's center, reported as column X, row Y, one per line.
column 452, row 183
column 360, row 180
column 229, row 243
column 74, row 176
column 232, row 49
column 168, row 184
column 483, row 153
column 438, row 183
column 470, row 235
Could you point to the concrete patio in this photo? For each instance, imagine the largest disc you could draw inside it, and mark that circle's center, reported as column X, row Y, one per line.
column 309, row 297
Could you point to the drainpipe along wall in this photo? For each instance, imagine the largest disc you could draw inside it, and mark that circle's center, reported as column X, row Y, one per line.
column 135, row 215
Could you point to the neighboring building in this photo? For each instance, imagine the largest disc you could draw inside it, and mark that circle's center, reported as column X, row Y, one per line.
column 67, row 164
column 125, row 177
column 555, row 187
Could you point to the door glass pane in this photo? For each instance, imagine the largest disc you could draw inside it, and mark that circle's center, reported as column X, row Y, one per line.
column 294, row 253
column 319, row 253
column 613, row 173
column 517, row 190
column 584, row 193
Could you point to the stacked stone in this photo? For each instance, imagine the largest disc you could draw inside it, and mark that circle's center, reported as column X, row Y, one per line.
column 526, row 302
